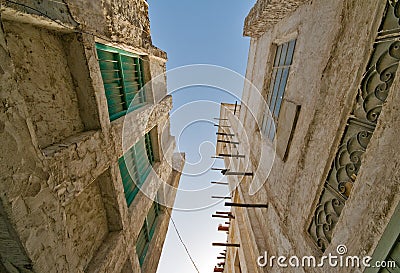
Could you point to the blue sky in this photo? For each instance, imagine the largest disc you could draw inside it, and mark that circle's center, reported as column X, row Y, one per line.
column 198, row 32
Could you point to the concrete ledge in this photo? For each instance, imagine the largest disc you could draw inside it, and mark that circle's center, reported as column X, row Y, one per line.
column 137, row 123
column 75, row 163
column 266, row 13
column 101, row 262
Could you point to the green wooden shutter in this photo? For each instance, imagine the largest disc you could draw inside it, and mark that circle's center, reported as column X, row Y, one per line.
column 147, row 232
column 130, row 82
column 142, row 244
column 394, row 255
column 151, row 219
column 388, row 248
column 129, row 176
column 135, row 166
column 142, row 162
column 149, row 148
column 112, row 79
column 123, row 78
column 141, row 81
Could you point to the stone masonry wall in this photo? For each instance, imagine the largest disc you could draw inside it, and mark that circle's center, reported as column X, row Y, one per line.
column 334, row 42
column 119, row 21
column 86, row 226
column 266, row 13
column 47, row 87
column 61, row 187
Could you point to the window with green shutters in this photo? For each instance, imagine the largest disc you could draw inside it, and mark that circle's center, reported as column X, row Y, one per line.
column 135, row 166
column 142, row 244
column 392, row 261
column 123, row 79
column 147, row 232
column 387, row 252
column 280, row 73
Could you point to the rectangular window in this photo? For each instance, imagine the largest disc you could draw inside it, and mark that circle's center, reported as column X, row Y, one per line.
column 135, row 166
column 147, row 232
column 387, row 252
column 392, row 260
column 123, row 79
column 280, row 72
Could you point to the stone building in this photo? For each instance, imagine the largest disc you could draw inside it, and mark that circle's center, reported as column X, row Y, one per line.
column 325, row 156
column 84, row 124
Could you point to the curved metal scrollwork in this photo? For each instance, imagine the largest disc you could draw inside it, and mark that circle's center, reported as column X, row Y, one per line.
column 373, row 92
column 326, row 215
column 347, row 162
column 378, row 79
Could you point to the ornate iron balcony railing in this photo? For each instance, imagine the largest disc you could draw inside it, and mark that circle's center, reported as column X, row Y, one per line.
column 372, row 94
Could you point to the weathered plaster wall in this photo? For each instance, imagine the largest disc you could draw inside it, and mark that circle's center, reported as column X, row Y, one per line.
column 62, row 191
column 129, row 21
column 334, row 42
column 245, row 228
column 47, row 86
column 86, row 226
column 19, row 175
column 266, row 13
column 157, row 243
column 159, row 78
column 120, row 246
column 57, row 10
column 376, row 192
column 89, row 15
column 13, row 256
column 77, row 58
column 118, row 21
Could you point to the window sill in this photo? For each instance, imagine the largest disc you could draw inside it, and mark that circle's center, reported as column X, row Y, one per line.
column 118, row 115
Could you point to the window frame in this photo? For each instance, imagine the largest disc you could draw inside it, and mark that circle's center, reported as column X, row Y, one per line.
column 122, row 81
column 280, row 72
column 389, row 240
column 134, row 163
column 148, row 231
